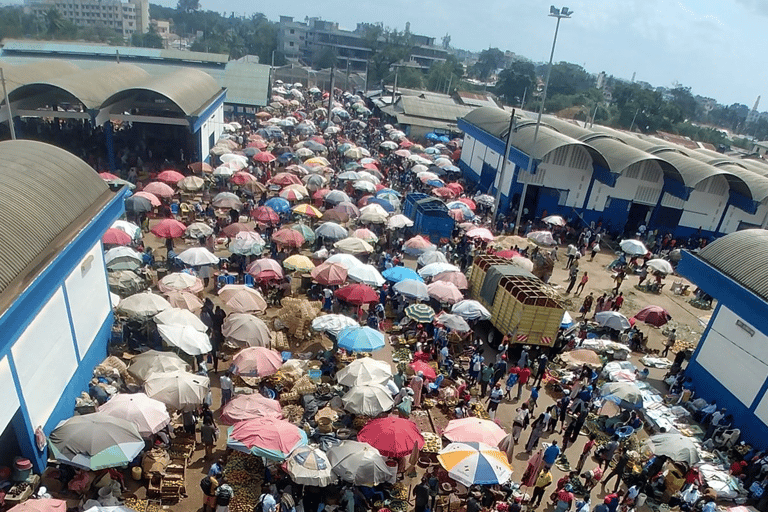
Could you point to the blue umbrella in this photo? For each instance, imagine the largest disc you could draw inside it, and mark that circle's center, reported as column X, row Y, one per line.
column 360, row 339
column 278, row 204
column 286, row 157
column 435, row 183
column 451, row 168
column 388, row 191
column 383, row 203
column 444, row 139
column 399, row 273
column 432, row 136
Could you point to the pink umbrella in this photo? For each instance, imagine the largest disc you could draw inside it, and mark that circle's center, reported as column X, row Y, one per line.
column 265, row 269
column 482, row 233
column 467, row 201
column 285, row 178
column 152, row 198
column 267, row 437
column 474, row 430
column 159, row 189
column 256, row 362
column 366, row 234
column 288, row 237
column 246, row 407
column 44, row 505
column 329, row 274
column 654, row 315
column 108, row 176
column 418, row 243
column 185, row 300
column 169, row 228
column 264, row 157
column 114, row 236
column 241, row 178
column 457, row 278
column 424, row 368
column 445, row 292
column 170, row 176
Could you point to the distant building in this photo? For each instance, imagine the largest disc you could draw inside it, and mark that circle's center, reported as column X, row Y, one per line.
column 753, row 116
column 124, row 17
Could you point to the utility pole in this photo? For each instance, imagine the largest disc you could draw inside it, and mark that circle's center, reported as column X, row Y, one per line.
column 346, row 83
column 450, row 83
column 8, row 106
column 522, row 103
column 365, row 86
column 394, row 87
column 503, row 171
column 330, row 94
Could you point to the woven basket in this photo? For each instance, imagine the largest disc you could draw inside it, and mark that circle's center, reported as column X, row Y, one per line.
column 304, row 386
column 290, row 397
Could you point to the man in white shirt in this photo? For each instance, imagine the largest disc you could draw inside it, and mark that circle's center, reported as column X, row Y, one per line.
column 226, row 388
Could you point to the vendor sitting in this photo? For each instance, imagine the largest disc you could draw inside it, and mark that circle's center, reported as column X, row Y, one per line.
column 634, row 421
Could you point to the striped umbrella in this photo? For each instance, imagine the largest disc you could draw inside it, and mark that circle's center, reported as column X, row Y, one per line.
column 310, row 466
column 308, row 210
column 420, row 313
column 475, row 464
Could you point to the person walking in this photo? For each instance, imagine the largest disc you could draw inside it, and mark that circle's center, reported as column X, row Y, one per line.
column 520, row 423
column 582, row 283
column 208, row 485
column 586, row 306
column 485, row 378
column 224, row 494
column 537, row 429
column 421, row 493
column 522, row 379
column 208, row 436
column 543, row 481
column 573, row 272
column 541, row 368
column 494, row 400
column 669, row 343
column 618, row 470
column 586, row 451
column 618, row 301
column 225, row 383
column 551, row 454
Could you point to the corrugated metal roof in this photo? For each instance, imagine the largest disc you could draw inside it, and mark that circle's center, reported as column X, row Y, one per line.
column 743, row 256
column 16, row 76
column 425, row 122
column 757, row 184
column 415, row 106
column 247, row 83
column 43, row 190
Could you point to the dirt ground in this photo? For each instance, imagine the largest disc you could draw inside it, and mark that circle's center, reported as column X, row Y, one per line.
column 685, row 319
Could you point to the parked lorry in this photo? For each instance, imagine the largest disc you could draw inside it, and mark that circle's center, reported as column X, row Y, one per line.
column 429, row 215
column 519, row 302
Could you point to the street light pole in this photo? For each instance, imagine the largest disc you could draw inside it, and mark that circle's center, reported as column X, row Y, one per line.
column 554, row 12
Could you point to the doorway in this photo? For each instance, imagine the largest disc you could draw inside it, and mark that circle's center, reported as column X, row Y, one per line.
column 638, row 215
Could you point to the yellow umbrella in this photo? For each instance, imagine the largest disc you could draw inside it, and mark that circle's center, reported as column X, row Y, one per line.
column 308, row 210
column 298, row 262
column 318, row 160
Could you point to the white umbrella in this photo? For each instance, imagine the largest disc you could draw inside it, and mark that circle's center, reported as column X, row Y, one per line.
column 433, row 269
column 554, row 220
column 612, row 320
column 399, row 221
column 186, row 338
column 633, row 247
column 365, row 186
column 310, row 466
column 143, row 304
column 660, row 265
column 431, row 257
column 366, row 274
column 541, row 237
column 198, row 229
column 333, row 324
column 149, row 415
column 123, row 258
column 364, row 371
column 675, row 446
column 181, row 390
column 331, row 230
column 471, row 310
column 368, row 400
column 153, row 361
column 198, row 256
column 353, row 245
column 374, row 213
column 522, row 262
column 182, row 317
column 360, row 464
column 178, row 281
column 412, row 288
column 346, row 260
column 454, row 322
column 246, row 329
column 128, row 227
column 626, row 394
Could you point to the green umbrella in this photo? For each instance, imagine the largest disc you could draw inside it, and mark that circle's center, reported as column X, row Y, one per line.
column 420, row 313
column 305, row 231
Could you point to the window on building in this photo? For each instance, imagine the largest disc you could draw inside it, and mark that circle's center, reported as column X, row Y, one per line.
column 292, row 31
column 290, row 43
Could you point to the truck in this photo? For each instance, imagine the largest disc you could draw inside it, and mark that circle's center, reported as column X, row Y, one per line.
column 519, row 302
column 429, row 215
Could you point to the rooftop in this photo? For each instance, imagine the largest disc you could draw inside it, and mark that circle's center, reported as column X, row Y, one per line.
column 742, row 256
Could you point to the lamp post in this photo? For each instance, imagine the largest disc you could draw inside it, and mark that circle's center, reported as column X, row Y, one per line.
column 554, row 12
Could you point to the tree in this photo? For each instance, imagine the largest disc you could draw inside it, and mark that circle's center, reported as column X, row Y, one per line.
column 444, row 75
column 567, row 78
column 487, row 63
column 324, row 58
column 515, row 81
column 149, row 40
column 188, row 5
column 684, row 100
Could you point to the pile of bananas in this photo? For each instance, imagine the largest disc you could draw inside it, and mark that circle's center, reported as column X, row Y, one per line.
column 478, row 410
column 402, row 354
column 432, row 442
column 428, row 403
column 136, row 504
column 399, row 492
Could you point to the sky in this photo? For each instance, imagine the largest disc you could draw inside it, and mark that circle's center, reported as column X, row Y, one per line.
column 711, row 46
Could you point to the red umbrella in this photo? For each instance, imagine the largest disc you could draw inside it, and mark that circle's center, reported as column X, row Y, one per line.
column 329, row 274
column 265, row 215
column 288, row 237
column 321, row 193
column 265, row 269
column 654, row 315
column 507, row 253
column 169, row 228
column 149, row 196
column 421, row 366
column 258, row 144
column 467, row 201
column 357, row 294
column 170, row 176
column 371, row 165
column 457, row 189
column 444, row 192
column 236, row 227
column 264, row 156
column 405, row 143
column 241, row 178
column 159, row 188
column 285, row 178
column 108, row 176
column 114, row 236
column 392, row 436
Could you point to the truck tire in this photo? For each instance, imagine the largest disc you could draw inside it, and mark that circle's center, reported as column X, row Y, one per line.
column 491, row 334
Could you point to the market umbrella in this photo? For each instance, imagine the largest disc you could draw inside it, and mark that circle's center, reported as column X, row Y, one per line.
column 541, row 238
column 554, row 220
column 333, row 324
column 123, row 258
column 475, row 464
column 298, row 262
column 180, row 390
column 360, row 339
column 279, row 204
column 198, row 256
column 226, row 200
column 186, row 338
column 360, row 464
column 366, row 235
column 633, row 247
column 143, row 304
column 265, row 215
column 267, row 437
column 392, row 436
column 337, row 216
column 354, row 245
column 256, row 362
column 198, row 230
column 288, row 237
column 523, row 263
column 241, row 178
column 421, row 313
column 400, row 273
column 130, row 228
column 346, row 260
column 184, row 299
column 169, row 228
column 471, row 310
column 191, row 184
column 454, row 322
column 95, row 441
column 125, row 282
column 481, row 233
column 412, row 288
column 347, row 207
column 247, row 243
column 653, row 315
column 233, row 229
column 114, row 236
column 152, row 361
column 265, row 269
column 428, row 257
column 43, row 505
column 178, row 281
column 445, row 292
column 426, row 370
column 660, row 265
column 308, row 210
column 580, row 357
column 147, row 414
column 336, row 196
column 159, row 189
column 398, row 221
column 625, row 394
column 309, row 466
column 368, row 400
column 364, row 371
column 457, row 278
column 373, row 213
column 170, row 176
column 474, row 430
column 181, row 317
column 330, row 274
column 418, row 245
column 437, row 268
column 612, row 320
column 357, row 294
column 246, row 407
column 366, row 274
column 677, row 447
column 255, row 187
column 331, row 231
column 246, row 329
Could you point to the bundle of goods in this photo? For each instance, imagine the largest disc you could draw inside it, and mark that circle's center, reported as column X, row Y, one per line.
column 432, row 442
column 297, row 316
